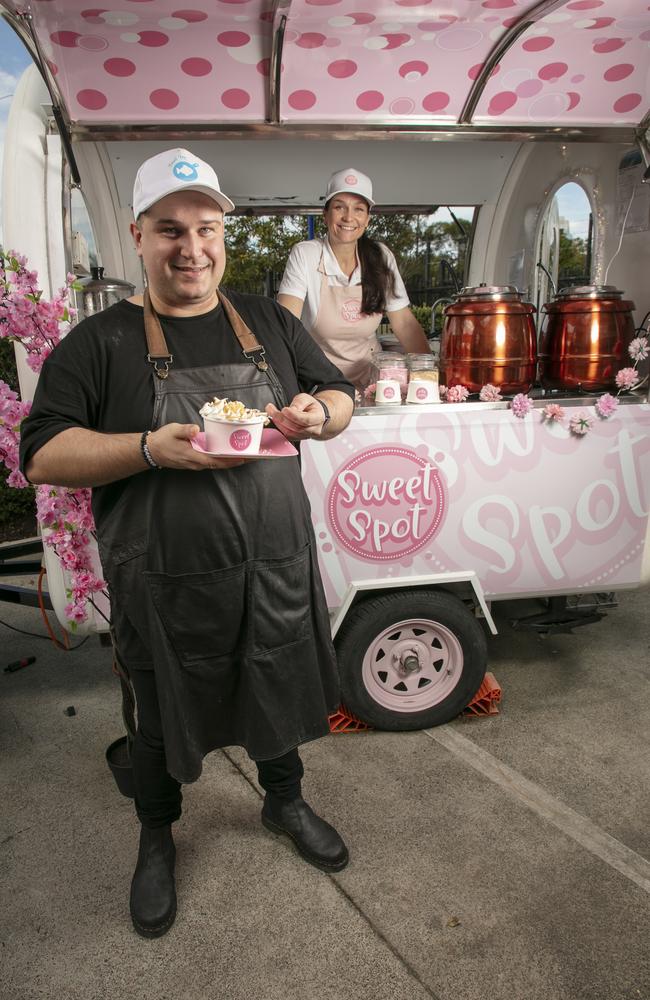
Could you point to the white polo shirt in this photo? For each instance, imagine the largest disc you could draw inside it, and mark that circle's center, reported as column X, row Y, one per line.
column 302, row 278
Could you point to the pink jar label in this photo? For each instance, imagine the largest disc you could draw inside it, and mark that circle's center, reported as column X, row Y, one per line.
column 389, row 392
column 421, row 393
column 386, row 503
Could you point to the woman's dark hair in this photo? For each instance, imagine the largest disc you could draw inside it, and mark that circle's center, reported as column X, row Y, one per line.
column 378, row 281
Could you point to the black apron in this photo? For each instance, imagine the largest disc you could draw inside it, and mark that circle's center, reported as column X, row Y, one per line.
column 214, row 580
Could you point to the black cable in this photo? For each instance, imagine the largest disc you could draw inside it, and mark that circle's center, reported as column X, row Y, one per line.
column 40, row 635
column 642, row 323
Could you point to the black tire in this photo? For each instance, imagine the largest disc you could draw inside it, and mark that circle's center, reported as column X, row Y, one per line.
column 383, row 635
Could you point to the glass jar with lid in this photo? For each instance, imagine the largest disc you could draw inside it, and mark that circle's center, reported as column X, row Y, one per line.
column 422, row 367
column 391, row 366
column 423, row 379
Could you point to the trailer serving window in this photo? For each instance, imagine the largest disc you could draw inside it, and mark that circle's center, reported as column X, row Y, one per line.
column 431, row 245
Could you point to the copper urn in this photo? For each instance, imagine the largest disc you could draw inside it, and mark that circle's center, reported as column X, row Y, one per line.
column 489, row 336
column 584, row 339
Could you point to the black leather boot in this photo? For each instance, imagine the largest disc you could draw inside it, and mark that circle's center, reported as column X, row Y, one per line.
column 316, row 840
column 153, row 893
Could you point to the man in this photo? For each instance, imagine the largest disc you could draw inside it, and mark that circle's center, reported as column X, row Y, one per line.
column 218, row 608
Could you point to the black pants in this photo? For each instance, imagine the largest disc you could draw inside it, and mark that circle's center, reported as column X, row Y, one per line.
column 158, row 796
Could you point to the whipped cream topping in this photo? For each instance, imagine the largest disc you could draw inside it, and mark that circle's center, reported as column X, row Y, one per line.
column 232, row 410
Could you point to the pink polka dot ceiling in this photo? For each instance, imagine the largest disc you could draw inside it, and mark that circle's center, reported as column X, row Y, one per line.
column 586, row 62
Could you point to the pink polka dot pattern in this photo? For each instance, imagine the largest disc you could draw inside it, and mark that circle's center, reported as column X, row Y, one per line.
column 301, row 100
column 620, row 72
column 196, row 67
column 553, row 71
column 311, row 40
column 233, row 39
column 413, row 70
column 94, row 16
column 436, row 101
column 119, row 67
column 370, row 100
column 153, row 39
column 502, row 102
column 164, row 99
column 584, row 62
column 609, row 45
column 92, row 100
column 341, row 69
column 191, row 16
column 235, row 98
column 68, row 39
column 627, row 103
column 537, row 44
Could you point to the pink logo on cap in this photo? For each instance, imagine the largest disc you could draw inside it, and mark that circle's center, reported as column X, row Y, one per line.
column 386, row 503
column 352, row 179
column 240, row 440
column 389, row 392
column 421, row 393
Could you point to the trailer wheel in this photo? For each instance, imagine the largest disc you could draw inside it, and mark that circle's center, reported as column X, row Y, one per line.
column 409, row 660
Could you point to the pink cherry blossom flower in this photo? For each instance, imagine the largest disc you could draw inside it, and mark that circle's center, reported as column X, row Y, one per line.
column 606, row 405
column 627, row 378
column 489, row 393
column 580, row 425
column 66, row 514
column 521, row 405
column 639, row 349
column 457, row 394
column 553, row 412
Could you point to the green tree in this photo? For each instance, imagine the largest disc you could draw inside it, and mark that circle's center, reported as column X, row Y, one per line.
column 573, row 257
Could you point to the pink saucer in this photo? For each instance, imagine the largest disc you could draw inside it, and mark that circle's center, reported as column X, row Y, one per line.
column 273, row 445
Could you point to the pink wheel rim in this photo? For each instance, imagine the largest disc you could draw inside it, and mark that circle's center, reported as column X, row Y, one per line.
column 413, row 665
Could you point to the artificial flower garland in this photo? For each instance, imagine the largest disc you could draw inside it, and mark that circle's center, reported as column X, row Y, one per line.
column 579, row 424
column 64, row 513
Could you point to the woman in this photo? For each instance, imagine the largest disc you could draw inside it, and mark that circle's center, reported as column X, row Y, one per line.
column 341, row 286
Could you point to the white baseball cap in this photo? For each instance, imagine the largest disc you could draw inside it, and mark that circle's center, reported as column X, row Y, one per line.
column 171, row 171
column 351, row 181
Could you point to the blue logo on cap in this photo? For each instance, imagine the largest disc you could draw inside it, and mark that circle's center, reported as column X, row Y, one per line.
column 184, row 171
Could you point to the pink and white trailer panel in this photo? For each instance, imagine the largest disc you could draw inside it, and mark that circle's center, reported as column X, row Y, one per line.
column 518, row 506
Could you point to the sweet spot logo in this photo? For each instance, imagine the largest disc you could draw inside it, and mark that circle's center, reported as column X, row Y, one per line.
column 351, row 311
column 386, row 503
column 421, row 393
column 240, row 440
column 351, row 179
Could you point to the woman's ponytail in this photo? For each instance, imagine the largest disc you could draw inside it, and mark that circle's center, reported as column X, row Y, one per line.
column 377, row 279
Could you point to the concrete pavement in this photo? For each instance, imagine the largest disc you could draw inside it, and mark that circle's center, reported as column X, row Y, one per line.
column 503, row 858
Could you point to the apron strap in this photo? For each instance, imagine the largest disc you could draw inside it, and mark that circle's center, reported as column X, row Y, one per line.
column 156, row 343
column 251, row 348
column 247, row 339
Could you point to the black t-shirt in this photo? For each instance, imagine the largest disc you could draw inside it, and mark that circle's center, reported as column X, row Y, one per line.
column 98, row 376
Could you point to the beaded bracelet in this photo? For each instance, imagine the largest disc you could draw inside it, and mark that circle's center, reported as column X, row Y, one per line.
column 144, row 448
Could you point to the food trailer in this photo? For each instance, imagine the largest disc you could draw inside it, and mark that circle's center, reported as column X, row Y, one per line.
column 425, row 515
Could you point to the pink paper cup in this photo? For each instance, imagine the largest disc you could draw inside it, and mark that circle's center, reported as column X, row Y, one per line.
column 230, row 437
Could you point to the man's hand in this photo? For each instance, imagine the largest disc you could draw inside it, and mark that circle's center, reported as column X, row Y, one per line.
column 303, row 418
column 170, row 448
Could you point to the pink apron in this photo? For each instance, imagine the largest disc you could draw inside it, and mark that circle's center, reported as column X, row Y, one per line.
column 343, row 333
